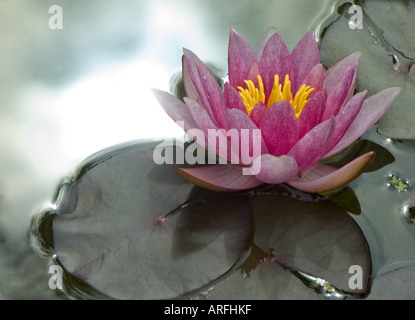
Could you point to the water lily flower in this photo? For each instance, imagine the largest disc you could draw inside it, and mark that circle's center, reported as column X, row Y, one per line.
column 305, row 113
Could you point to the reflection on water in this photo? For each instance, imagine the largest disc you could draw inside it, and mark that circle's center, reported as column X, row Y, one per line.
column 123, row 113
column 323, row 287
column 67, row 93
column 381, row 195
column 408, row 210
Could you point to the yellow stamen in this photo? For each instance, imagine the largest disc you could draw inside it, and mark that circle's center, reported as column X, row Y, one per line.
column 251, row 96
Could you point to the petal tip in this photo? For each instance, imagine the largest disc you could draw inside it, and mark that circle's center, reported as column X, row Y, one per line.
column 323, row 178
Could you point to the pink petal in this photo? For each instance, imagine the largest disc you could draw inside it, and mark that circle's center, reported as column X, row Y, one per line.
column 221, row 145
column 371, row 111
column 205, row 123
column 346, row 116
column 200, row 115
column 240, row 120
column 258, row 112
column 219, row 177
column 312, row 113
column 315, row 79
column 237, row 69
column 335, row 73
column 253, row 72
column 268, row 34
column 312, row 147
column 275, row 59
column 279, row 128
column 276, row 170
column 240, row 58
column 189, row 87
column 323, row 178
column 242, row 46
column 232, row 98
column 304, row 57
column 339, row 95
column 175, row 108
column 207, row 88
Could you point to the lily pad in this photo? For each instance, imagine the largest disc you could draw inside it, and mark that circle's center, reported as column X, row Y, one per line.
column 269, row 281
column 394, row 285
column 310, row 234
column 388, row 56
column 346, row 199
column 359, row 148
column 133, row 229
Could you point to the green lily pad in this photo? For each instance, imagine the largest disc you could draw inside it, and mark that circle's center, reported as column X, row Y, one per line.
column 311, row 234
column 266, row 281
column 346, row 199
column 394, row 285
column 387, row 44
column 132, row 229
column 359, row 148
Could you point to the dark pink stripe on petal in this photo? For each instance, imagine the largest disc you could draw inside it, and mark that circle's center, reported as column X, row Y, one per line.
column 312, row 147
column 240, row 120
column 237, row 68
column 253, row 74
column 279, row 128
column 335, row 73
column 265, row 38
column 323, row 178
column 175, row 108
column 200, row 115
column 275, row 59
column 276, row 170
column 339, row 95
column 312, row 113
column 346, row 116
column 239, row 48
column 191, row 68
column 258, row 112
column 214, row 95
column 305, row 56
column 315, row 79
column 189, row 87
column 207, row 88
column 242, row 46
column 204, row 123
column 372, row 110
column 232, row 98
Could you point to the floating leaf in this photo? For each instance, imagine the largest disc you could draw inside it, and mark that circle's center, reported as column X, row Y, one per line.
column 346, row 199
column 268, row 281
column 136, row 230
column 397, row 183
column 387, row 60
column 312, row 235
column 394, row 285
column 359, row 148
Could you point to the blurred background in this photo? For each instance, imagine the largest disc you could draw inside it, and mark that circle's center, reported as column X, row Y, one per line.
column 68, row 93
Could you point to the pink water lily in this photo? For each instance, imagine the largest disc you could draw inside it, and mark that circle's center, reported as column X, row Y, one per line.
column 305, row 114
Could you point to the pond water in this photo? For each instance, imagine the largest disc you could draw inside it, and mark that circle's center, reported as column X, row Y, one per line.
column 68, row 93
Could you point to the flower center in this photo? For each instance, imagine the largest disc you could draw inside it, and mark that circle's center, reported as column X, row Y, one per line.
column 253, row 95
